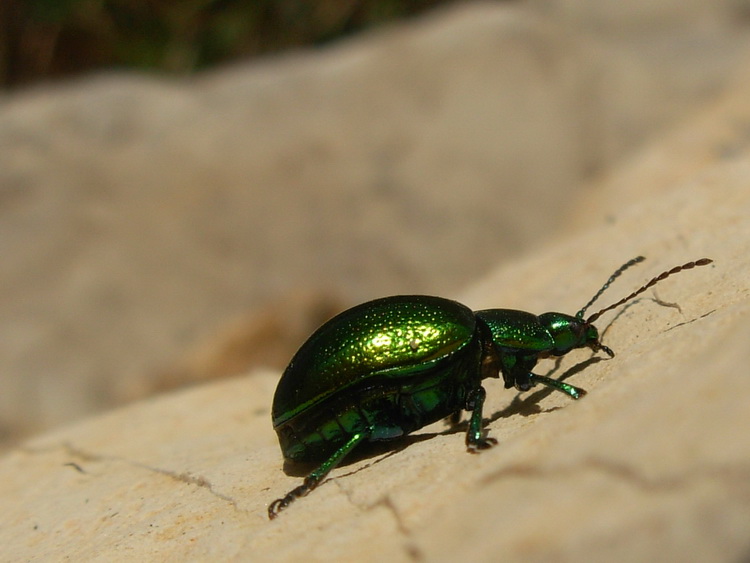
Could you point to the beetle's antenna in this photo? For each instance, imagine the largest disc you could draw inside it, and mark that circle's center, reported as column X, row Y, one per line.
column 653, row 282
column 613, row 277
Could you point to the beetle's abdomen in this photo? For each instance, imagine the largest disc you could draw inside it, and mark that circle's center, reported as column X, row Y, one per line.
column 388, row 409
column 373, row 342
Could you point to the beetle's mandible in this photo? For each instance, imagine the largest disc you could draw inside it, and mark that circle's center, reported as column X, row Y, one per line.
column 391, row 366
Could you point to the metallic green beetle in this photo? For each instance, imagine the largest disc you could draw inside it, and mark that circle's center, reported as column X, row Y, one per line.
column 388, row 367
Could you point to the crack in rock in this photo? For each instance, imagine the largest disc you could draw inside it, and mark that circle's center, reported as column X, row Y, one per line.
column 183, row 477
column 411, row 548
column 703, row 316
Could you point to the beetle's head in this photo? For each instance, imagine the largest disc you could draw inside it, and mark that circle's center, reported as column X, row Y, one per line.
column 570, row 332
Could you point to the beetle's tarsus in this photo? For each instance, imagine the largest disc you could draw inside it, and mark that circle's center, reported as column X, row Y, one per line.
column 310, row 482
column 277, row 506
column 482, row 444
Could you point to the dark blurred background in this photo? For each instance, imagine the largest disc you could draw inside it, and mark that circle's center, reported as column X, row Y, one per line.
column 42, row 39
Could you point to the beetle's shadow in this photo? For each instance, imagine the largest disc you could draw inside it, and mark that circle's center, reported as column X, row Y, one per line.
column 366, row 450
column 529, row 404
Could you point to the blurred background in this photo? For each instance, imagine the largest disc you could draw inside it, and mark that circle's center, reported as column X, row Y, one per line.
column 53, row 39
column 188, row 189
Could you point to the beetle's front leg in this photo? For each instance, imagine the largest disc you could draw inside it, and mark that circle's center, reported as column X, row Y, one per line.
column 569, row 390
column 517, row 373
column 475, row 438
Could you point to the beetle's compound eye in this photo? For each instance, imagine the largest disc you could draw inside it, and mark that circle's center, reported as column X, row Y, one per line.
column 592, row 335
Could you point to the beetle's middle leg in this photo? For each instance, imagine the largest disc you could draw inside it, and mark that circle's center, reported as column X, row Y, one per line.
column 517, row 373
column 475, row 436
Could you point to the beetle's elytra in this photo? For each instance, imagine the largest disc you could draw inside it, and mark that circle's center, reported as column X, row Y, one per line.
column 391, row 366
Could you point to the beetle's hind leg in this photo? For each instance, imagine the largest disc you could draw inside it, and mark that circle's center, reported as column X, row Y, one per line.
column 316, row 477
column 475, row 436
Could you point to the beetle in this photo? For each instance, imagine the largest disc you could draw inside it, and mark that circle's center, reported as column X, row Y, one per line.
column 388, row 367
